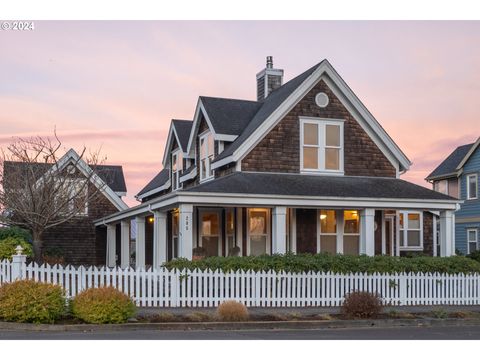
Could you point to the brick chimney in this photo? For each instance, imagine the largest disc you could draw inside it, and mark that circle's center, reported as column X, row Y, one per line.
column 268, row 80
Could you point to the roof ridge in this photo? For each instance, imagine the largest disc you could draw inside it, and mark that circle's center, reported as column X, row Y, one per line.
column 224, row 98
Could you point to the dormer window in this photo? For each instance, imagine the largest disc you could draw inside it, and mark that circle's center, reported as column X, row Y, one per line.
column 177, row 162
column 206, row 156
column 321, row 145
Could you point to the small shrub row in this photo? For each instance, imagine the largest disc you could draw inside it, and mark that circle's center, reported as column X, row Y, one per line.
column 334, row 263
column 35, row 302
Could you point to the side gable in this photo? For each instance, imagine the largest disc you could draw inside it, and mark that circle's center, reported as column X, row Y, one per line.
column 279, row 150
column 71, row 157
column 283, row 100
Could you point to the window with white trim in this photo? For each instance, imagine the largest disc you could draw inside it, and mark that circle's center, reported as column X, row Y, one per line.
column 411, row 230
column 72, row 196
column 206, row 156
column 177, row 166
column 321, row 142
column 472, row 239
column 472, row 186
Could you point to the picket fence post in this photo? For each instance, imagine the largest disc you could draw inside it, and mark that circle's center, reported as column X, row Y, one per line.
column 18, row 264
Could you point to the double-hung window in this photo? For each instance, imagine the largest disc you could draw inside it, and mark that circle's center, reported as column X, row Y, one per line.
column 206, row 156
column 410, row 230
column 177, row 165
column 321, row 142
column 472, row 238
column 472, row 186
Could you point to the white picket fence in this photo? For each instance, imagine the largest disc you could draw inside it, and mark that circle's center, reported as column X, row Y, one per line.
column 173, row 288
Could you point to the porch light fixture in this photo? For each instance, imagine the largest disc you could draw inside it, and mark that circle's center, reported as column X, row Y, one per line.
column 323, row 216
column 150, row 220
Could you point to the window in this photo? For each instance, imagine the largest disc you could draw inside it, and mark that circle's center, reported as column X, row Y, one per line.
column 175, row 233
column 206, row 156
column 230, row 231
column 410, row 230
column 177, row 164
column 328, row 231
column 321, row 145
column 72, row 196
column 472, row 186
column 472, row 238
column 210, row 235
column 441, row 186
column 258, row 232
column 351, row 232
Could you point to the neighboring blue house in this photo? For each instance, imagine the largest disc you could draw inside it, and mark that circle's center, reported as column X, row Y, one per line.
column 457, row 176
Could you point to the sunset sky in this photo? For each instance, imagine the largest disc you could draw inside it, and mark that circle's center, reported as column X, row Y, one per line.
column 118, row 84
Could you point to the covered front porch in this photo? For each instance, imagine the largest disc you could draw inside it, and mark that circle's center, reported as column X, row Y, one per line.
column 215, row 225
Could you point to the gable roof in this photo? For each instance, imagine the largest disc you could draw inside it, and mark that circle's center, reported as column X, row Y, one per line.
column 229, row 116
column 282, row 100
column 454, row 162
column 270, row 104
column 180, row 129
column 158, row 183
column 108, row 178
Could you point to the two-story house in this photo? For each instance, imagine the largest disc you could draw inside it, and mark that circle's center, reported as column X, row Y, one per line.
column 77, row 241
column 457, row 176
column 305, row 168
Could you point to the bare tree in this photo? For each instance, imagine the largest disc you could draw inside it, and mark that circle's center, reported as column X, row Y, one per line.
column 41, row 186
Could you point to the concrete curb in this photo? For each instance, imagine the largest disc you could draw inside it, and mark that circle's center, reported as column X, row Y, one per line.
column 251, row 325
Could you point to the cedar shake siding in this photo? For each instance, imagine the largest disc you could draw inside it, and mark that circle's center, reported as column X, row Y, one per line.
column 279, row 151
column 78, row 239
column 428, row 233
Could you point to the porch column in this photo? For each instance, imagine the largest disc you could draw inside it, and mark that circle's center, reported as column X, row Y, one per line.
column 185, row 241
column 340, row 231
column 125, row 244
column 367, row 232
column 111, row 242
column 279, row 230
column 159, row 238
column 140, row 242
column 447, row 233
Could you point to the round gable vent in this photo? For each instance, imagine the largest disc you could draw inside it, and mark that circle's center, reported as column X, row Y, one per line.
column 321, row 99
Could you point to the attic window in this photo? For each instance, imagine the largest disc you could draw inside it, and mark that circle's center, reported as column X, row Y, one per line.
column 176, row 168
column 321, row 99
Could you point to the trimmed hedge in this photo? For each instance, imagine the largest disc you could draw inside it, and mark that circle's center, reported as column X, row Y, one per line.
column 30, row 301
column 14, row 231
column 334, row 263
column 105, row 305
column 8, row 245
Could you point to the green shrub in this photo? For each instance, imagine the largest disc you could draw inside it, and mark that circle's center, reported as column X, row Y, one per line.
column 14, row 231
column 105, row 305
column 30, row 301
column 334, row 263
column 474, row 255
column 9, row 244
column 361, row 304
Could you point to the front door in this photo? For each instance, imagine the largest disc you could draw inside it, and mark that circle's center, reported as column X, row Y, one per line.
column 210, row 235
column 306, row 231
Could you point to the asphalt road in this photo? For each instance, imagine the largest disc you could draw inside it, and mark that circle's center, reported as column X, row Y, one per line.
column 394, row 333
